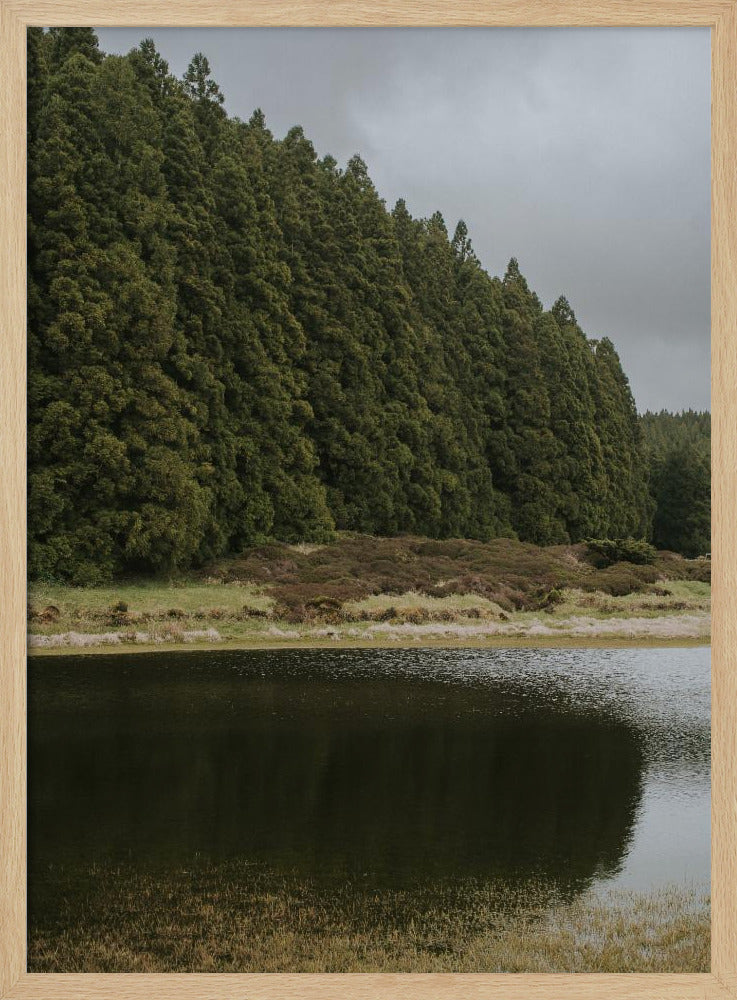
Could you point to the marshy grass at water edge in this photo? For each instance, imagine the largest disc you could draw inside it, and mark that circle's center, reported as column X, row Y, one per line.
column 243, row 917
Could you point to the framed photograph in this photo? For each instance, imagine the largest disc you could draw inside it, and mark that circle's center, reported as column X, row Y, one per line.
column 381, row 612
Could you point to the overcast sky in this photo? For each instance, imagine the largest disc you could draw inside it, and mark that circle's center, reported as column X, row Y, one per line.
column 582, row 152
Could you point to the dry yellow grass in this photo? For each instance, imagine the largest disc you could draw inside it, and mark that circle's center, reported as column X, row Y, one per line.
column 457, row 605
column 234, row 918
column 87, row 609
column 164, row 611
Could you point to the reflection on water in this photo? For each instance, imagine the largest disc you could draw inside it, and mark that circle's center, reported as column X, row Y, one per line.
column 573, row 767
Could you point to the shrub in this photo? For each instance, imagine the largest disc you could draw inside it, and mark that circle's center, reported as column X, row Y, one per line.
column 414, row 616
column 512, row 574
column 552, row 598
column 49, row 615
column 622, row 579
column 321, row 608
column 698, row 569
column 249, row 612
column 119, row 618
column 673, row 566
column 324, row 605
column 607, row 551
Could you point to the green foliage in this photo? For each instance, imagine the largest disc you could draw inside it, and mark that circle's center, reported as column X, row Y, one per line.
column 613, row 550
column 663, row 431
column 232, row 339
column 679, row 450
column 627, row 508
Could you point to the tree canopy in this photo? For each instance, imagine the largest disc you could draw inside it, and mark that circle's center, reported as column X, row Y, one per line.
column 231, row 338
column 679, row 455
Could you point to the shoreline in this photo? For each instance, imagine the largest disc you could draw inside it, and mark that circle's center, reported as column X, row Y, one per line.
column 275, row 922
column 399, row 642
column 261, row 614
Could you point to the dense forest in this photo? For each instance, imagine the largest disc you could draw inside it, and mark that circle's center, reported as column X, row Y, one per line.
column 231, row 338
column 679, row 458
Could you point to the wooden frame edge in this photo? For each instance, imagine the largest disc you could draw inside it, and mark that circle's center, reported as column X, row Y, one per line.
column 370, row 986
column 15, row 16
column 724, row 495
column 378, row 13
column 12, row 497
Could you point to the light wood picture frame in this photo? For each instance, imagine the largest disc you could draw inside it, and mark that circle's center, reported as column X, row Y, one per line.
column 15, row 15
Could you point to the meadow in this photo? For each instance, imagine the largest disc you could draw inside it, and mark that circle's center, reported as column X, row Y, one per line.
column 361, row 589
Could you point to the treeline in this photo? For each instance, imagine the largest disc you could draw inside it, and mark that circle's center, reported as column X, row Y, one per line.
column 231, row 338
column 679, row 456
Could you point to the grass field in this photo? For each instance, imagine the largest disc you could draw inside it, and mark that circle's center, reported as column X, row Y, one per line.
column 238, row 918
column 368, row 591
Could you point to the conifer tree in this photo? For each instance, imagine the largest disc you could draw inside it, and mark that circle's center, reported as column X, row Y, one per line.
column 568, row 364
column 679, row 456
column 682, row 494
column 626, row 504
column 231, row 339
column 116, row 483
column 536, row 513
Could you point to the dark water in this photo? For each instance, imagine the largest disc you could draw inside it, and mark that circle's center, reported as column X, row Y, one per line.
column 576, row 767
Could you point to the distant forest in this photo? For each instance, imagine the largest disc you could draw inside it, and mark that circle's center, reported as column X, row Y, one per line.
column 231, row 339
column 679, row 459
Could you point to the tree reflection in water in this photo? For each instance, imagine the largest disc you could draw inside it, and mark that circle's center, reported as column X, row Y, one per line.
column 315, row 763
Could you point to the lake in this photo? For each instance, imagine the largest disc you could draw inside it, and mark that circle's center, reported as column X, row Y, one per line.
column 571, row 769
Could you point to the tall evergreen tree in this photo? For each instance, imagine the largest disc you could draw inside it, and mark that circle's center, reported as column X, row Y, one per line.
column 108, row 433
column 536, row 513
column 569, row 368
column 230, row 339
column 679, row 456
column 626, row 503
column 682, row 494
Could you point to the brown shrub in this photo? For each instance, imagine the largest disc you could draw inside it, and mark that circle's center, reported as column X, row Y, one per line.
column 414, row 616
column 292, row 613
column 300, row 594
column 247, row 612
column 698, row 570
column 513, row 574
column 120, row 618
column 621, row 579
column 378, row 615
column 49, row 615
column 325, row 609
column 320, row 608
column 673, row 566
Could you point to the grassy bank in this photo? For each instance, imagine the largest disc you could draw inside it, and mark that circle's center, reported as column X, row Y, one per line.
column 238, row 918
column 368, row 591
